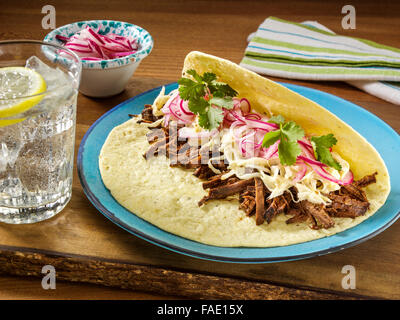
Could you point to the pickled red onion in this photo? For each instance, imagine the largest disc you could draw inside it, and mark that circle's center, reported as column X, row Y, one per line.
column 348, row 179
column 269, row 152
column 176, row 108
column 61, row 38
column 306, row 151
column 318, row 167
column 262, row 125
column 311, row 161
column 301, row 173
column 253, row 115
column 248, row 129
column 306, row 144
column 184, row 107
column 89, row 44
column 245, row 105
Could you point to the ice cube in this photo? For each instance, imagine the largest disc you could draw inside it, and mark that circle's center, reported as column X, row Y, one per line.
column 40, row 163
column 10, row 137
column 60, row 86
column 54, row 77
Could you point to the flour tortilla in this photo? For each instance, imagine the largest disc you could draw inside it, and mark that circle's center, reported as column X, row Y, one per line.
column 167, row 197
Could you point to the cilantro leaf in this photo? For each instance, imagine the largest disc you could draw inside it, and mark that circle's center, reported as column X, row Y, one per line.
column 226, row 103
column 209, row 109
column 288, row 134
column 327, row 141
column 189, row 89
column 288, row 152
column 203, row 120
column 209, row 77
column 198, row 105
column 277, row 119
column 195, row 75
column 270, row 138
column 292, row 131
column 211, row 118
column 216, row 83
column 325, row 156
column 321, row 146
column 215, row 117
column 224, row 90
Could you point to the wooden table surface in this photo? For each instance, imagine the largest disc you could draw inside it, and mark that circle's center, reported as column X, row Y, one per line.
column 87, row 248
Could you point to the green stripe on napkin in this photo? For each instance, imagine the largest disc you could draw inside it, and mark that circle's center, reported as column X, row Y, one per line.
column 293, row 50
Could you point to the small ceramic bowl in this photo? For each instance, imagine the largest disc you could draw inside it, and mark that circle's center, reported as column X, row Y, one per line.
column 105, row 78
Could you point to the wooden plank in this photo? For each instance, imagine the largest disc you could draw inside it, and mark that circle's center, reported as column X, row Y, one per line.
column 29, row 288
column 179, row 27
column 151, row 279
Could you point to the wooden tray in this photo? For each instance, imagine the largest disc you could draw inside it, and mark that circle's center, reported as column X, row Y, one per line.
column 84, row 246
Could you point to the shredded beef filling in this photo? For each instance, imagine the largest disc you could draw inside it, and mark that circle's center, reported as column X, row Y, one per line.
column 349, row 201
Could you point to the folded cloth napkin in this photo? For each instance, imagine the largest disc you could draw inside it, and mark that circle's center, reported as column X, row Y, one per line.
column 310, row 51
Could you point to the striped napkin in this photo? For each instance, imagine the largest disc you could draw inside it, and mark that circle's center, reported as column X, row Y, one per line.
column 310, row 51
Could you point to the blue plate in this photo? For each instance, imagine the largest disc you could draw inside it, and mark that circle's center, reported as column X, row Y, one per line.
column 384, row 139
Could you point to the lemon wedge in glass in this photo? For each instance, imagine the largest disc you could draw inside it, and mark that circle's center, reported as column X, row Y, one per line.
column 20, row 90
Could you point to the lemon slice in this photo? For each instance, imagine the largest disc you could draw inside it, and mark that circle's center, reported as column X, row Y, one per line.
column 15, row 84
column 4, row 123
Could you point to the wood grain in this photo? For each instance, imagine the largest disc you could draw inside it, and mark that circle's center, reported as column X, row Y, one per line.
column 220, row 28
column 146, row 278
column 29, row 288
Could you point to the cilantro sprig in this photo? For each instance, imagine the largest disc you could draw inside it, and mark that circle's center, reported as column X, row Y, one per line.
column 207, row 97
column 288, row 149
column 288, row 134
column 321, row 146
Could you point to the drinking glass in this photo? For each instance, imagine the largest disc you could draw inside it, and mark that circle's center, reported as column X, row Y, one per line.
column 37, row 131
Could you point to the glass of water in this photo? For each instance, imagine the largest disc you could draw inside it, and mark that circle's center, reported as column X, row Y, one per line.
column 38, row 93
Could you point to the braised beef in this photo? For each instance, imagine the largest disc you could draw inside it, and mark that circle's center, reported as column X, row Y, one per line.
column 260, row 200
column 226, row 190
column 156, row 134
column 248, row 204
column 275, row 206
column 319, row 214
column 213, row 182
column 155, row 148
column 346, row 206
column 203, row 172
column 216, row 181
column 365, row 181
column 187, row 157
column 298, row 215
column 354, row 191
column 147, row 114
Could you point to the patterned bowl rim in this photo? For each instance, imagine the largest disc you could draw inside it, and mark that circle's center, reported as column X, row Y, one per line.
column 103, row 64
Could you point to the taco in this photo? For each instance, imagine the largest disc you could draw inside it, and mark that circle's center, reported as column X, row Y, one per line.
column 233, row 159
